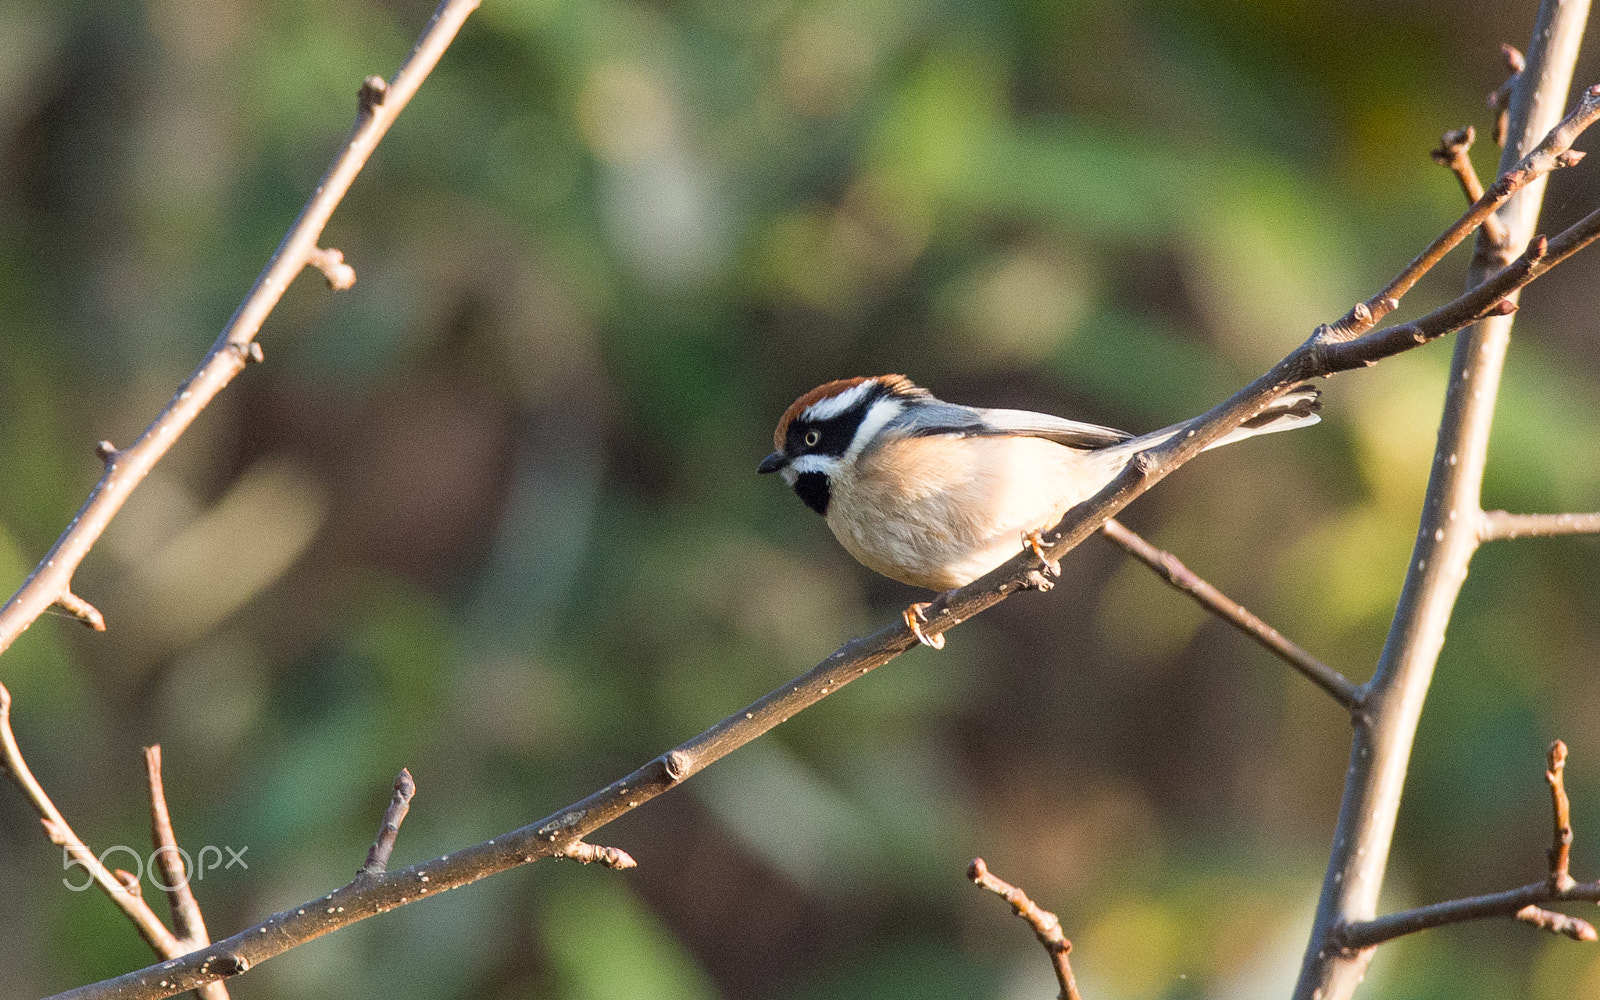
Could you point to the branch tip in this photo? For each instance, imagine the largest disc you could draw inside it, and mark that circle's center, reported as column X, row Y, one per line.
column 105, row 451
column 373, row 90
column 383, row 845
column 1515, row 61
column 1575, row 928
column 589, row 854
column 82, row 610
column 1046, row 925
column 128, row 880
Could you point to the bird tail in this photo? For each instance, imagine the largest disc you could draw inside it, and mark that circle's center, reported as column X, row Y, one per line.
column 1296, row 408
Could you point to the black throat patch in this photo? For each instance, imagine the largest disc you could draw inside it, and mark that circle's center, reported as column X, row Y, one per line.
column 812, row 487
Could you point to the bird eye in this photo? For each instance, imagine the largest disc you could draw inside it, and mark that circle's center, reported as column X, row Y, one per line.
column 812, row 437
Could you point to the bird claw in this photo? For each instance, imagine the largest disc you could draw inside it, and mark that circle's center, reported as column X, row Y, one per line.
column 1049, row 569
column 914, row 617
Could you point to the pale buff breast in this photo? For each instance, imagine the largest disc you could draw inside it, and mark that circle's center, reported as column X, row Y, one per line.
column 955, row 508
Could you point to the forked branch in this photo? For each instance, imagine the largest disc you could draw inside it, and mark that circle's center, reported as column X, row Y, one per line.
column 125, row 895
column 1525, row 903
column 1326, row 351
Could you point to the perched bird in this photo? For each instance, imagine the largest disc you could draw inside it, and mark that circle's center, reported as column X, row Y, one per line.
column 937, row 494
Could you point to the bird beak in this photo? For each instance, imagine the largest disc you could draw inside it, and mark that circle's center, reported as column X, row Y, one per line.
column 772, row 463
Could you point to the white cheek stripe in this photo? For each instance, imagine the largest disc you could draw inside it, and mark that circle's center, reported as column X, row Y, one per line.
column 878, row 414
column 811, row 463
column 824, row 409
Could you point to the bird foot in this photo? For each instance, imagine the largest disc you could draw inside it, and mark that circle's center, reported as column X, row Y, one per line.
column 1049, row 570
column 914, row 617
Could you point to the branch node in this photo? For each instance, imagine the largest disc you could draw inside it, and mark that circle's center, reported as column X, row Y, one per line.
column 330, row 261
column 82, row 610
column 373, row 90
column 106, row 452
column 588, row 854
column 128, row 880
column 677, row 764
column 383, row 845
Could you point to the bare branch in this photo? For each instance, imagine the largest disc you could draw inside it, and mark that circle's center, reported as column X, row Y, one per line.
column 1554, row 152
column 377, row 107
column 1447, row 532
column 1328, row 350
column 122, row 891
column 1170, row 569
column 399, row 804
column 1046, row 926
column 1522, row 904
column 1497, row 525
column 1511, row 903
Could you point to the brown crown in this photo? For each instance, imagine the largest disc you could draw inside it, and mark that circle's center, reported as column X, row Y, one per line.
column 898, row 385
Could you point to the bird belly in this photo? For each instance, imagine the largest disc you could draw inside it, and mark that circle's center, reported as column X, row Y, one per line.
column 939, row 512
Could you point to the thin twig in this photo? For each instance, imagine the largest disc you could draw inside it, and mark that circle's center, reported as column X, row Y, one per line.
column 1453, row 153
column 1500, row 98
column 123, row 893
column 1447, row 532
column 1512, row 903
column 1553, row 153
column 1560, row 854
column 1046, row 926
column 399, row 804
column 1171, row 569
column 1323, row 353
column 1497, row 525
column 51, row 580
column 187, row 922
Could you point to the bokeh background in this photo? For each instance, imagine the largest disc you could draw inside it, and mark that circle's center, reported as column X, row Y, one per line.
column 492, row 514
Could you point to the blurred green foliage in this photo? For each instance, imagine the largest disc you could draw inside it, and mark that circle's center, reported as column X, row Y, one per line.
column 492, row 515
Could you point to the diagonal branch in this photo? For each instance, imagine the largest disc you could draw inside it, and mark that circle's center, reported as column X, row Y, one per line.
column 1497, row 525
column 1169, row 568
column 1328, row 350
column 379, row 105
column 1046, row 925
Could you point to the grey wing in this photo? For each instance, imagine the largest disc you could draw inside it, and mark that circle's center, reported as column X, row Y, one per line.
column 1072, row 433
column 938, row 417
